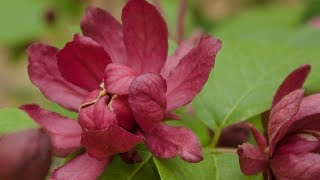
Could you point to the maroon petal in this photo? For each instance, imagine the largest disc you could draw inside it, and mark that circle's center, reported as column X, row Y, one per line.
column 167, row 142
column 300, row 143
column 145, row 36
column 107, row 142
column 252, row 159
column 192, row 72
column 82, row 62
column 97, row 116
column 121, row 108
column 44, row 73
column 82, row 167
column 117, row 78
column 65, row 133
column 296, row 166
column 131, row 157
column 25, row 155
column 107, row 31
column 292, row 82
column 147, row 100
column 184, row 48
column 234, row 135
column 261, row 141
column 282, row 113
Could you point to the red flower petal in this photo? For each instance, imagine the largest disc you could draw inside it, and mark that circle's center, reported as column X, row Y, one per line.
column 107, row 31
column 282, row 113
column 261, row 141
column 121, row 108
column 82, row 167
column 131, row 157
column 300, row 143
column 292, row 82
column 44, row 73
column 167, row 142
column 117, row 78
column 107, row 142
column 145, row 36
column 300, row 166
column 97, row 116
column 82, row 62
column 147, row 100
column 184, row 48
column 252, row 160
column 25, row 155
column 65, row 133
column 192, row 72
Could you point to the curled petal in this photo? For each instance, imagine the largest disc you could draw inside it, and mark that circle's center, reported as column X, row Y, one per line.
column 292, row 82
column 261, row 141
column 44, row 73
column 110, row 141
column 82, row 62
column 97, row 116
column 281, row 114
column 184, row 48
column 25, row 155
column 147, row 100
column 121, row 108
column 192, row 72
column 82, row 167
column 117, row 78
column 300, row 143
column 296, row 166
column 234, row 135
column 145, row 36
column 252, row 159
column 65, row 133
column 107, row 31
column 167, row 142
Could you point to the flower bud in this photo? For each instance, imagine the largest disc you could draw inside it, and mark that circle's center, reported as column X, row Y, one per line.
column 25, row 155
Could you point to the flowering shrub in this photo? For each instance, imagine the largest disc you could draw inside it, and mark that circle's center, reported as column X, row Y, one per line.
column 292, row 150
column 122, row 84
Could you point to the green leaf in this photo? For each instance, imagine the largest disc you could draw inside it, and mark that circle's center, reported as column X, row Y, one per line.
column 122, row 171
column 178, row 169
column 250, row 68
column 22, row 20
column 12, row 120
column 214, row 166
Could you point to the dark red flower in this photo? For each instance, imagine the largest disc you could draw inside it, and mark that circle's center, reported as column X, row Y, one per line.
column 120, row 80
column 293, row 146
column 25, row 155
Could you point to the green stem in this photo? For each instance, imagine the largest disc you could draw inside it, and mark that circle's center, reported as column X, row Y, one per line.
column 215, row 139
column 223, row 150
column 140, row 166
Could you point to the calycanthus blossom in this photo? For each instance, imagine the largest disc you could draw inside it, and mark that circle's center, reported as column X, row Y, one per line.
column 120, row 80
column 293, row 147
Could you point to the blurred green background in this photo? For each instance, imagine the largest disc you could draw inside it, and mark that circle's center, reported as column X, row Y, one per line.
column 55, row 21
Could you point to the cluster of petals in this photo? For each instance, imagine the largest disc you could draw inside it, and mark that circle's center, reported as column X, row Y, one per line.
column 291, row 148
column 123, row 84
